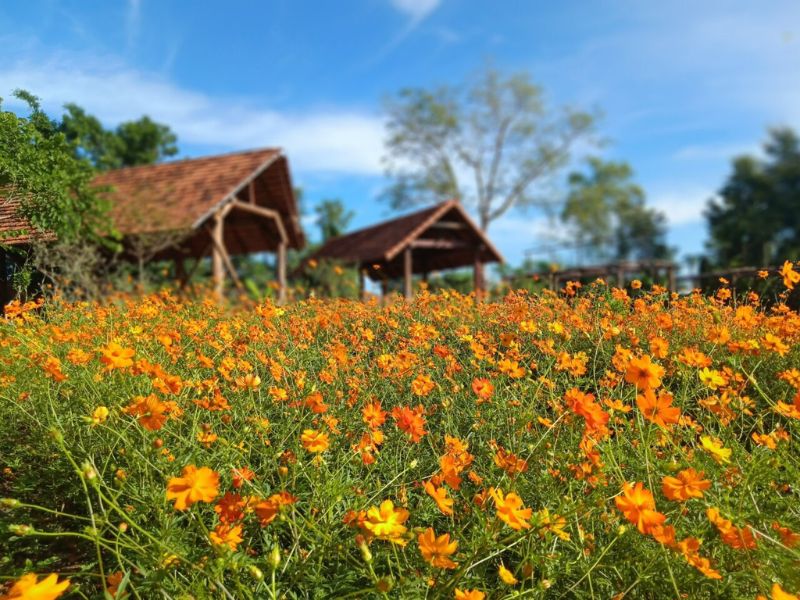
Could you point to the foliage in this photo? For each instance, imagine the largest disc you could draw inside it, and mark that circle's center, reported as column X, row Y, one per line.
column 332, row 218
column 608, row 215
column 754, row 221
column 39, row 170
column 496, row 128
column 140, row 142
column 590, row 445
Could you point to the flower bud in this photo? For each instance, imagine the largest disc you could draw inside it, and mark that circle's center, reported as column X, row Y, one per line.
column 365, row 553
column 21, row 530
column 88, row 472
column 275, row 557
column 9, row 502
column 256, row 573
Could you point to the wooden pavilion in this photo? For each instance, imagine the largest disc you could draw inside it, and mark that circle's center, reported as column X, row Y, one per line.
column 436, row 238
column 217, row 206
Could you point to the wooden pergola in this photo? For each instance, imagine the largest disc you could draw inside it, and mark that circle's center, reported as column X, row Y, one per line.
column 217, row 206
column 434, row 239
column 616, row 272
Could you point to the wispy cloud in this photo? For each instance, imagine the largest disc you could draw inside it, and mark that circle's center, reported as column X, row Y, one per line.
column 133, row 19
column 335, row 139
column 416, row 9
column 682, row 205
column 715, row 151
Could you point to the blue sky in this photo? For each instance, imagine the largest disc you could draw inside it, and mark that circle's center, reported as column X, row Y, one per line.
column 684, row 86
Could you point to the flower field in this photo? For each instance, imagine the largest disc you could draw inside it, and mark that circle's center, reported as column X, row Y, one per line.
column 597, row 443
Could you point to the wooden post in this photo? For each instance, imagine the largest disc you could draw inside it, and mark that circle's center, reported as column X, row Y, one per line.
column 180, row 272
column 362, row 284
column 384, row 290
column 477, row 274
column 217, row 268
column 251, row 192
column 408, row 290
column 281, row 272
column 671, row 279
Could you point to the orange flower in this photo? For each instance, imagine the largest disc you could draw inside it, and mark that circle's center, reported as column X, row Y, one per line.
column 385, row 522
column 639, row 506
column 422, row 385
column 644, row 373
column 658, row 409
column 778, row 593
column 410, row 421
column 510, row 509
column 439, row 495
column 150, row 411
column 230, row 508
column 483, row 388
column 688, row 484
column 373, row 416
column 506, row 576
column 790, row 276
column 115, row 356
column 789, row 538
column 315, row 441
column 437, row 550
column 227, row 535
column 27, row 588
column 469, row 594
column 738, row 538
column 194, row 485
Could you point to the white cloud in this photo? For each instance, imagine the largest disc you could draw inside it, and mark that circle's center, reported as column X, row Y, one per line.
column 416, row 9
column 132, row 21
column 716, row 151
column 682, row 206
column 336, row 139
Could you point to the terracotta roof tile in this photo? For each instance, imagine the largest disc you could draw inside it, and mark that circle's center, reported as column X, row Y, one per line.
column 175, row 195
column 384, row 242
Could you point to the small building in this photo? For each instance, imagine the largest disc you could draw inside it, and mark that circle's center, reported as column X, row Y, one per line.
column 217, row 206
column 433, row 239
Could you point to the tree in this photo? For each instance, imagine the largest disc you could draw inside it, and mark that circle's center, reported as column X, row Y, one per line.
column 132, row 143
column 607, row 214
column 496, row 129
column 39, row 170
column 754, row 220
column 332, row 218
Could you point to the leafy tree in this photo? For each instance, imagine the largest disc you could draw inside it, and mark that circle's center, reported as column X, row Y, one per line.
column 496, row 129
column 139, row 142
column 754, row 220
column 39, row 169
column 608, row 216
column 332, row 218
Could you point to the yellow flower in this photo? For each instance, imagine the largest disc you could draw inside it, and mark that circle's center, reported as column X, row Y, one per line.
column 27, row 588
column 506, row 575
column 712, row 379
column 385, row 522
column 444, row 503
column 99, row 415
column 195, row 485
column 716, row 449
column 314, row 441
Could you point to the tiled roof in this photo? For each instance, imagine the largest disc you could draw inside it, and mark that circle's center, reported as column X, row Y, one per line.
column 14, row 228
column 182, row 194
column 383, row 243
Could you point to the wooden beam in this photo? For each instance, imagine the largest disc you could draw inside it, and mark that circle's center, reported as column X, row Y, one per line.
column 281, row 266
column 263, row 212
column 217, row 271
column 251, row 192
column 408, row 290
column 451, row 225
column 438, row 244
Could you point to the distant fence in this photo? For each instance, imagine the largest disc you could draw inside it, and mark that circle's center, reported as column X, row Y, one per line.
column 619, row 273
